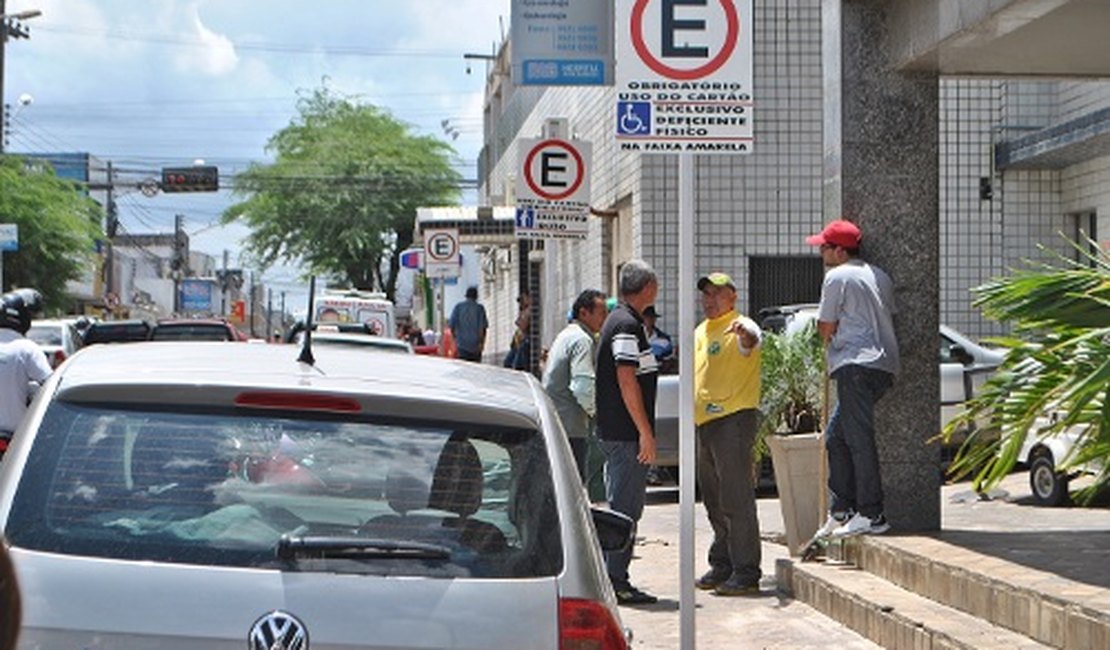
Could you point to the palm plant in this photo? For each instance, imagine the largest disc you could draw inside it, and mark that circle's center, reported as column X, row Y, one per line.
column 1058, row 361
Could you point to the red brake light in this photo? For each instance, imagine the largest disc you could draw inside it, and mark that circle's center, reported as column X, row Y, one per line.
column 297, row 402
column 588, row 625
column 59, row 357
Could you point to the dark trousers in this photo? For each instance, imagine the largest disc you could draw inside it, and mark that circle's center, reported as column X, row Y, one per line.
column 728, row 491
column 625, row 490
column 581, row 449
column 470, row 355
column 854, row 479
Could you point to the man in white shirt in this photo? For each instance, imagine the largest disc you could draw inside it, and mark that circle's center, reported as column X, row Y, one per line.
column 856, row 320
column 23, row 366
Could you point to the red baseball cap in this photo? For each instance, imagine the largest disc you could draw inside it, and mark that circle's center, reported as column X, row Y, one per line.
column 838, row 233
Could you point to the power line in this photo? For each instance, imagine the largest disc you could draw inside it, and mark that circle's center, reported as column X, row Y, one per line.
column 280, row 48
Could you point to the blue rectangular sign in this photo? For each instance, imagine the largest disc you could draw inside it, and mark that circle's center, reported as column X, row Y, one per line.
column 9, row 237
column 564, row 73
column 196, row 295
column 562, row 42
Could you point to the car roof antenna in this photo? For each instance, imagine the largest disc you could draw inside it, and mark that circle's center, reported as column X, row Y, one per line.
column 306, row 348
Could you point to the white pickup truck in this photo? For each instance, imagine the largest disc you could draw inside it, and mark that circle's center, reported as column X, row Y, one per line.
column 1044, row 455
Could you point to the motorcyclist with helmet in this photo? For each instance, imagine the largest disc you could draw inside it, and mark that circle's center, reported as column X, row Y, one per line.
column 23, row 366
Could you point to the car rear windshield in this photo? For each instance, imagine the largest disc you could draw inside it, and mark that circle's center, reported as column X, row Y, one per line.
column 191, row 332
column 225, row 488
column 117, row 332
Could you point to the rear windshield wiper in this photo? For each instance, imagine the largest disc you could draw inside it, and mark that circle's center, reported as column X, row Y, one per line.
column 292, row 547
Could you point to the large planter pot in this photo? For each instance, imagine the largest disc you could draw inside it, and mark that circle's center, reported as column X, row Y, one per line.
column 797, row 461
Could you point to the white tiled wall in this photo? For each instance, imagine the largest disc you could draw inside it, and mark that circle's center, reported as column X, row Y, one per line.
column 766, row 203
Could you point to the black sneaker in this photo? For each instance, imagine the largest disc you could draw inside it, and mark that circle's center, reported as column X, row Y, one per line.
column 712, row 578
column 632, row 596
column 734, row 586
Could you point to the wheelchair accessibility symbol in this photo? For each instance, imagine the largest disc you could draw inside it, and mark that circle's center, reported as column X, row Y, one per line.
column 633, row 118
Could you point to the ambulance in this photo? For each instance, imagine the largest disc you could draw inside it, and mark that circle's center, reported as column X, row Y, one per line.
column 354, row 306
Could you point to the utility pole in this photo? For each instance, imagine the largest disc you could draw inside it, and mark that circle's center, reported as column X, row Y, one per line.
column 179, row 263
column 224, row 281
column 269, row 313
column 3, row 41
column 111, row 226
column 10, row 27
column 283, row 313
column 254, row 294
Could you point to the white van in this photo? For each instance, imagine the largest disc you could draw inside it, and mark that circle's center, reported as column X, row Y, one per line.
column 354, row 306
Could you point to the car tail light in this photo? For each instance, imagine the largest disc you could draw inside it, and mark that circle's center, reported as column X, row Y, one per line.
column 59, row 357
column 297, row 402
column 588, row 625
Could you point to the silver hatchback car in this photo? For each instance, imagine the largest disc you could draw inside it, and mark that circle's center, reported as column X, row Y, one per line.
column 214, row 495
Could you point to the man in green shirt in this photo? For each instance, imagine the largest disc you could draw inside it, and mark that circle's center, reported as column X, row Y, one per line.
column 569, row 375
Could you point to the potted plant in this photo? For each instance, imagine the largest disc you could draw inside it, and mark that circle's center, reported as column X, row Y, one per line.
column 792, row 379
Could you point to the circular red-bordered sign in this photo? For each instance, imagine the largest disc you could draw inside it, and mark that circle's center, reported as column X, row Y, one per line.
column 554, row 196
column 661, row 68
column 432, row 248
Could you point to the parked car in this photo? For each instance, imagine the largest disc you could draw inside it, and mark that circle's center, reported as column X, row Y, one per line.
column 195, row 329
column 117, row 331
column 58, row 338
column 238, row 494
column 964, row 366
column 1044, row 457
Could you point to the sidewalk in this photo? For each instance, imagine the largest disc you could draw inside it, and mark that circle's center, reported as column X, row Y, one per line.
column 765, row 621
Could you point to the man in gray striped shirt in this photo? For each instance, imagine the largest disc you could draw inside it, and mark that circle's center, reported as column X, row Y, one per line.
column 627, row 373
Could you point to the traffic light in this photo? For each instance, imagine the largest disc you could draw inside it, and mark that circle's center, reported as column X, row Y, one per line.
column 200, row 178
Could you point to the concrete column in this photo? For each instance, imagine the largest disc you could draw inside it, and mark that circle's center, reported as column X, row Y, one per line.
column 881, row 171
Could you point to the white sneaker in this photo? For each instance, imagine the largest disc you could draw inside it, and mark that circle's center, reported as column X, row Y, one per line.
column 861, row 525
column 831, row 524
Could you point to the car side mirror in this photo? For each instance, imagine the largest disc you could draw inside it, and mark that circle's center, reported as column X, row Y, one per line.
column 615, row 531
column 958, row 353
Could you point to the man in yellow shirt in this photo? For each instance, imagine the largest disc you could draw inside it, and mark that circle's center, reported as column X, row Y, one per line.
column 726, row 401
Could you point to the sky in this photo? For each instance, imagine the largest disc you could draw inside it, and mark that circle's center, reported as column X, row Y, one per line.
column 152, row 83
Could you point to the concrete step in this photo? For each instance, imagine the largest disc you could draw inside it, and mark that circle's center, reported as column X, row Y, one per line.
column 1047, row 588
column 1025, row 587
column 889, row 615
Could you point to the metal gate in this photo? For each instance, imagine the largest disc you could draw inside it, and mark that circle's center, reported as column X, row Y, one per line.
column 783, row 280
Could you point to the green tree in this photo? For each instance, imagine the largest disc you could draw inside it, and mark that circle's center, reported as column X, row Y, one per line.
column 58, row 228
column 342, row 192
column 1057, row 362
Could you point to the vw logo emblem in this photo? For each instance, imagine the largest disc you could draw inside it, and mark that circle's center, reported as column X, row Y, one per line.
column 278, row 631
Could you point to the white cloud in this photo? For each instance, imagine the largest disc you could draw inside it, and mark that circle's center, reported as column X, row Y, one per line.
column 217, row 56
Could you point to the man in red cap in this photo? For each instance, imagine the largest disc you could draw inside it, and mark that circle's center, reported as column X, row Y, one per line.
column 855, row 319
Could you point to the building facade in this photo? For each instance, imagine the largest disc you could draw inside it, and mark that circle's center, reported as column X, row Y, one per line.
column 1021, row 163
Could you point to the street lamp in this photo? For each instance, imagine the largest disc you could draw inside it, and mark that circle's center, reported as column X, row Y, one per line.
column 11, row 26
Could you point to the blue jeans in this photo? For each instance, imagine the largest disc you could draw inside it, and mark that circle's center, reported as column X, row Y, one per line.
column 854, row 478
column 625, row 488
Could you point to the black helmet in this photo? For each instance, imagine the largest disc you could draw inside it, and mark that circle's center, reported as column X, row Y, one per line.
column 17, row 307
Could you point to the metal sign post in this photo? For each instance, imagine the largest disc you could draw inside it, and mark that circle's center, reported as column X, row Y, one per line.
column 686, row 448
column 684, row 85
